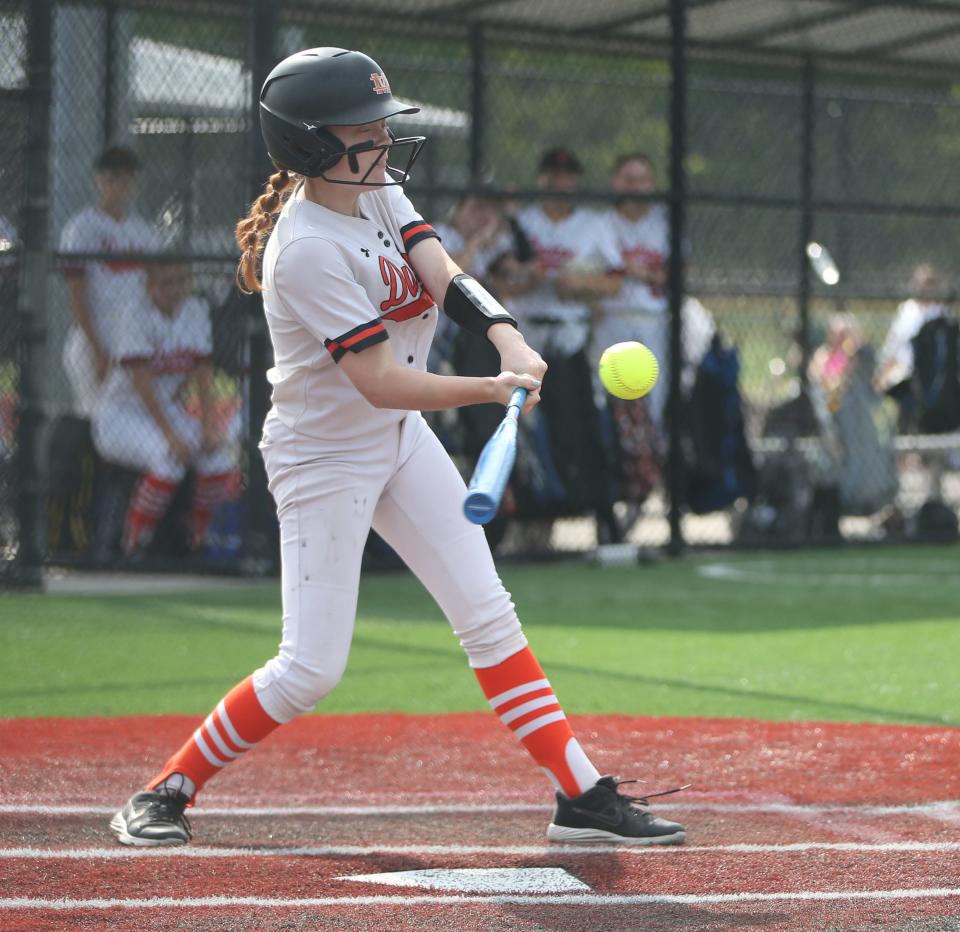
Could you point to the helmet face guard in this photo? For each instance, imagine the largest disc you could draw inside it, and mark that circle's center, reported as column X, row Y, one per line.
column 406, row 148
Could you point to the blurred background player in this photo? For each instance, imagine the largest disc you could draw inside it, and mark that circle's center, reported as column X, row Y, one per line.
column 163, row 348
column 476, row 237
column 575, row 262
column 101, row 291
column 477, row 234
column 927, row 301
column 638, row 310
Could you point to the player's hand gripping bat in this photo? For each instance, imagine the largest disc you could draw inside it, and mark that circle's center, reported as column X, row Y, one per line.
column 493, row 468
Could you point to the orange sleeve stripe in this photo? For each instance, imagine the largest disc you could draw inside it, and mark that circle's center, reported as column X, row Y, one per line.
column 409, row 234
column 362, row 335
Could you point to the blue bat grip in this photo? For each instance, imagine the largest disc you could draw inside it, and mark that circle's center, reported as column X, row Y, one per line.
column 493, row 468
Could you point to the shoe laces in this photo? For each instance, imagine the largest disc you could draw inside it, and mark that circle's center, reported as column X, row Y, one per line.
column 167, row 806
column 645, row 799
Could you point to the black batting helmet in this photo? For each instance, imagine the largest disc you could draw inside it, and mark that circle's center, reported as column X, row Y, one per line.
column 317, row 88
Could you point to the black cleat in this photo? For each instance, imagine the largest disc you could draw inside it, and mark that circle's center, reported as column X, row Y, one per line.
column 153, row 818
column 603, row 814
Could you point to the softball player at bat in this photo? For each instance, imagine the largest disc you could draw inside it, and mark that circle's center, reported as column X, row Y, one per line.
column 351, row 275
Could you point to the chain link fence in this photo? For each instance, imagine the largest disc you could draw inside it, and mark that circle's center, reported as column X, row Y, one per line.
column 13, row 156
column 819, row 203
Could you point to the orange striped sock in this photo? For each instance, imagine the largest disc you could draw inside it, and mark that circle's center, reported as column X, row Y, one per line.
column 234, row 726
column 520, row 694
column 148, row 504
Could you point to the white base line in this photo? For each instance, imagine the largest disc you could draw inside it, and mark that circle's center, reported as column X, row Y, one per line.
column 932, row 809
column 349, row 851
column 573, row 899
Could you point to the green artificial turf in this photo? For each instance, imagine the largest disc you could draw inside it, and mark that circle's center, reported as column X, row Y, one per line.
column 843, row 635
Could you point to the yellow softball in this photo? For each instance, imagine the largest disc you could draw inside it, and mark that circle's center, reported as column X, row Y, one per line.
column 628, row 370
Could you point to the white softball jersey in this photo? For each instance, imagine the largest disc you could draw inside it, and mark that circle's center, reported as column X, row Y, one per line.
column 646, row 240
column 337, row 466
column 123, row 429
column 579, row 243
column 170, row 346
column 336, row 284
column 639, row 311
column 114, row 286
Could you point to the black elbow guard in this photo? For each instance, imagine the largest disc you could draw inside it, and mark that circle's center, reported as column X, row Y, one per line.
column 470, row 305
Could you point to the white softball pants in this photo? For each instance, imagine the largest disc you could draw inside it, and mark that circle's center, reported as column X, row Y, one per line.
column 81, row 371
column 132, row 438
column 404, row 485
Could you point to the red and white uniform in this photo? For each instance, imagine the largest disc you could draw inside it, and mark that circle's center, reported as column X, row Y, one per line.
column 579, row 243
column 123, row 429
column 114, row 288
column 639, row 311
column 336, row 284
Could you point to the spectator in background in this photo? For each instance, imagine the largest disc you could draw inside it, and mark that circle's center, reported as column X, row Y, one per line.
column 926, row 302
column 638, row 311
column 831, row 360
column 486, row 243
column 477, row 234
column 102, row 291
column 575, row 262
column 476, row 237
column 141, row 421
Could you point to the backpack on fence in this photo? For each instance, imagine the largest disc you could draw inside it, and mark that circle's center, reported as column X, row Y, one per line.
column 936, row 375
column 936, row 521
column 719, row 466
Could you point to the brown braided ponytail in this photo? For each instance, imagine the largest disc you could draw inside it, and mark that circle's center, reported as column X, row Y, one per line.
column 252, row 231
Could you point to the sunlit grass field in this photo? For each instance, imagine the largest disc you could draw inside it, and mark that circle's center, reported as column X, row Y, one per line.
column 844, row 635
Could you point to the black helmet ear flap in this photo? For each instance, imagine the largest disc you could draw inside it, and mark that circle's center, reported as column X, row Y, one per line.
column 332, row 149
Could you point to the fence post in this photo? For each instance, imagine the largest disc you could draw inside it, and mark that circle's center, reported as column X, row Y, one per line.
column 259, row 555
column 478, row 105
column 676, row 265
column 806, row 213
column 32, row 300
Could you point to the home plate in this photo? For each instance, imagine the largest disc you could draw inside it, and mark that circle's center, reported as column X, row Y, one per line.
column 481, row 880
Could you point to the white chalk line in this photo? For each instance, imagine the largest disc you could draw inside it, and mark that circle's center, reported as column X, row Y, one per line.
column 873, row 572
column 122, row 852
column 572, row 899
column 933, row 809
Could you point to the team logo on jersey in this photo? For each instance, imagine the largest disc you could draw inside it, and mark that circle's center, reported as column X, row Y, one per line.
column 380, row 83
column 405, row 295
